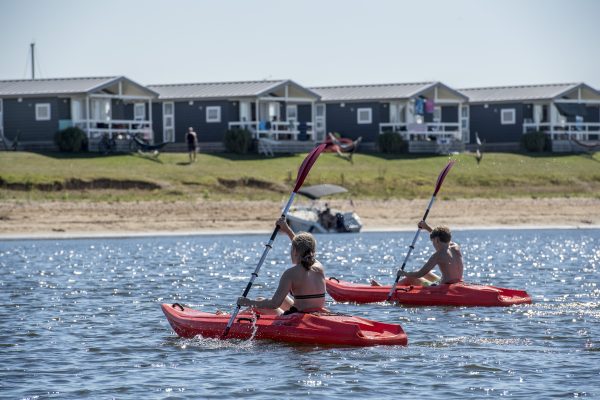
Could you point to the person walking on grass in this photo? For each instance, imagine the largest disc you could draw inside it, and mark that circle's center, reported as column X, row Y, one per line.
column 192, row 143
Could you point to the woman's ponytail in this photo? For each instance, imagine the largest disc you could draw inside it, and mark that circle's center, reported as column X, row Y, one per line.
column 305, row 245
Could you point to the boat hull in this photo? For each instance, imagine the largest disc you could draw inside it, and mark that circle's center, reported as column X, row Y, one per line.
column 458, row 294
column 322, row 329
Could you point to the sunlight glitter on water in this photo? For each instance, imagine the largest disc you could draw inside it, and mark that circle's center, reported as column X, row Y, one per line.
column 82, row 318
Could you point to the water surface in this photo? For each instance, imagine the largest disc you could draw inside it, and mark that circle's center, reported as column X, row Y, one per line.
column 82, row 319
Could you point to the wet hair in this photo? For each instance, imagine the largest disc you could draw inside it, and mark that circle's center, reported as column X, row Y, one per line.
column 442, row 232
column 305, row 245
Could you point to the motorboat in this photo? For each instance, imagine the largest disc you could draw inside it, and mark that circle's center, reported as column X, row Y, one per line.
column 318, row 217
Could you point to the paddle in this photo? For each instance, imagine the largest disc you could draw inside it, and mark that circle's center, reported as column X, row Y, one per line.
column 438, row 185
column 302, row 173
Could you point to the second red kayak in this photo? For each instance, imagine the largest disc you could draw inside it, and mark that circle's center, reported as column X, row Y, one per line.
column 320, row 328
column 457, row 294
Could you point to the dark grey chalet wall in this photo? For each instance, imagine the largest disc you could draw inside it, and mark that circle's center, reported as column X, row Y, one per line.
column 487, row 124
column 194, row 115
column 344, row 120
column 20, row 116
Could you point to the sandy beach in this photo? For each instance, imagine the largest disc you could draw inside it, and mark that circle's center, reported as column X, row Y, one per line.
column 80, row 219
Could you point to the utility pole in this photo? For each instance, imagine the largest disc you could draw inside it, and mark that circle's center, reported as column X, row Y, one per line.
column 32, row 61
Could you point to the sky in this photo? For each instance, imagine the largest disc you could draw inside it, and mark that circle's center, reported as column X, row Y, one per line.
column 462, row 43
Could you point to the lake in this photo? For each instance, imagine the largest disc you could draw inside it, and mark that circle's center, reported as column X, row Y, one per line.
column 82, row 319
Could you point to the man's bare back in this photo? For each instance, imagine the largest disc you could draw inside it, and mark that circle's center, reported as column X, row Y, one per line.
column 450, row 262
column 447, row 256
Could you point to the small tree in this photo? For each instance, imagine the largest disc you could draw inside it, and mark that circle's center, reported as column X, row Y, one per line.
column 238, row 141
column 392, row 143
column 72, row 140
column 535, row 141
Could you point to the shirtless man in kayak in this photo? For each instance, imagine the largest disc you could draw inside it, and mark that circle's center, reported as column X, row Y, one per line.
column 447, row 256
column 305, row 280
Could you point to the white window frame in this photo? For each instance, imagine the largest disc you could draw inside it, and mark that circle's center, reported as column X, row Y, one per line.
column 366, row 121
column 508, row 116
column 215, row 119
column 137, row 115
column 41, row 106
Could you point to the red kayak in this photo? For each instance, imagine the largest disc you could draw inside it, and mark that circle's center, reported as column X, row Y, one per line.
column 456, row 294
column 313, row 328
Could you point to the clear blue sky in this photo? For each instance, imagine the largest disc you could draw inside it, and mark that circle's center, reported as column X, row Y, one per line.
column 463, row 43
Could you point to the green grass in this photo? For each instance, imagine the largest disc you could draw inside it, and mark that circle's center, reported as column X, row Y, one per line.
column 371, row 176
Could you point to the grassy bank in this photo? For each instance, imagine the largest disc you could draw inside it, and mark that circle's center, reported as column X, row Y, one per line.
column 132, row 177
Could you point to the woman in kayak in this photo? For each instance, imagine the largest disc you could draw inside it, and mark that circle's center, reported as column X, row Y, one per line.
column 305, row 280
column 447, row 256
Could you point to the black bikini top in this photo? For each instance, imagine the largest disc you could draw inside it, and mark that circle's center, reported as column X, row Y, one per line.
column 308, row 296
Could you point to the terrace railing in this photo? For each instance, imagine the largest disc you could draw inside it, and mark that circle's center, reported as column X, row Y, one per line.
column 276, row 130
column 116, row 127
column 415, row 131
column 558, row 131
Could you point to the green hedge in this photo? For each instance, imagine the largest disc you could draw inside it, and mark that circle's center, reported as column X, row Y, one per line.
column 536, row 142
column 392, row 143
column 72, row 140
column 238, row 141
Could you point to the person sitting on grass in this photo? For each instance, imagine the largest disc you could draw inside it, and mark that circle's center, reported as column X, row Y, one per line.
column 305, row 280
column 447, row 256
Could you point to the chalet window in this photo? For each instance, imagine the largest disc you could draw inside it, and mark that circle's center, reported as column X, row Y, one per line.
column 364, row 115
column 42, row 112
column 508, row 116
column 139, row 111
column 213, row 114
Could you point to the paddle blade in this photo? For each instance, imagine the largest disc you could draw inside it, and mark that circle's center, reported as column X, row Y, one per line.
column 442, row 176
column 307, row 165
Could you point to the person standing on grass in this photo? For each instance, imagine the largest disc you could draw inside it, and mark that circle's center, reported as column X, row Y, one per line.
column 192, row 142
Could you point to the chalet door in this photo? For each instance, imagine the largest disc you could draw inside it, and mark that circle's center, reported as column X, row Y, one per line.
column 320, row 122
column 464, row 123
column 274, row 111
column 1, row 120
column 168, row 122
column 245, row 111
column 394, row 113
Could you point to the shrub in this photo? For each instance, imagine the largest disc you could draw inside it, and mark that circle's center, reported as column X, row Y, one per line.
column 238, row 141
column 391, row 142
column 71, row 140
column 535, row 141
